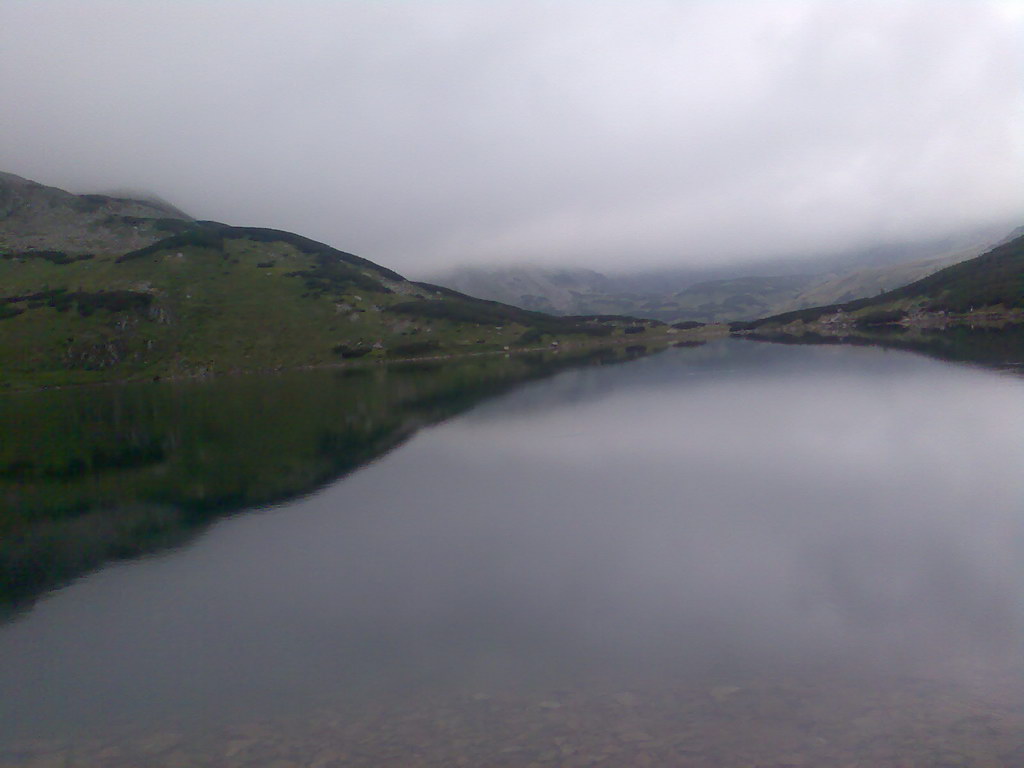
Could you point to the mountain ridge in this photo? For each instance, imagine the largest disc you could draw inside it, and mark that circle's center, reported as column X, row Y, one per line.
column 97, row 288
column 720, row 294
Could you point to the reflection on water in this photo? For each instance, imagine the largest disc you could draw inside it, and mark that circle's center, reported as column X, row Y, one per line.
column 1001, row 348
column 93, row 474
column 735, row 554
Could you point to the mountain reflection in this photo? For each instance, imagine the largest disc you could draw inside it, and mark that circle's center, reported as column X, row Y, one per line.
column 1001, row 348
column 90, row 475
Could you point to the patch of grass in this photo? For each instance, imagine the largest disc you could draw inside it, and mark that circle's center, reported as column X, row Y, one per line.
column 207, row 300
column 197, row 237
column 338, row 278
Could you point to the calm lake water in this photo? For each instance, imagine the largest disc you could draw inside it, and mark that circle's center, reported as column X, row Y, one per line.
column 736, row 554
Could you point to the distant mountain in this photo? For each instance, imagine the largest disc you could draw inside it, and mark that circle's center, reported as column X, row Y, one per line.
column 97, row 288
column 558, row 291
column 722, row 294
column 740, row 297
column 1012, row 236
column 987, row 290
column 871, row 281
column 584, row 291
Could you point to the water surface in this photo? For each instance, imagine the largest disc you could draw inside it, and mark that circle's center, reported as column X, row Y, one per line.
column 735, row 552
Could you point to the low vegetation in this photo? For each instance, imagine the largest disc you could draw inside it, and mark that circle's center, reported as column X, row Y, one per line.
column 209, row 298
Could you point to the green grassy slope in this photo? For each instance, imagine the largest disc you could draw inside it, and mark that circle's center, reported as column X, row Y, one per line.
column 213, row 298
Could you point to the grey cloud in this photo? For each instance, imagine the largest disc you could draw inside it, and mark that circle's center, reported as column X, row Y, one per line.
column 605, row 134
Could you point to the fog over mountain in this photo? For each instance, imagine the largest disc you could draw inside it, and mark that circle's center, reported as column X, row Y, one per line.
column 607, row 135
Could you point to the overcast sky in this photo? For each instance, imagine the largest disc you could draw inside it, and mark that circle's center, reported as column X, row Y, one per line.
column 601, row 134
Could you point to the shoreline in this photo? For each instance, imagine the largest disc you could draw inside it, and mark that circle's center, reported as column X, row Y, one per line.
column 702, row 335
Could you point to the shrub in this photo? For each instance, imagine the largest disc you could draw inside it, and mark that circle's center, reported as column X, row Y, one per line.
column 880, row 317
column 348, row 352
column 198, row 238
column 54, row 257
column 451, row 309
column 172, row 225
column 88, row 302
column 412, row 348
column 530, row 336
column 337, row 277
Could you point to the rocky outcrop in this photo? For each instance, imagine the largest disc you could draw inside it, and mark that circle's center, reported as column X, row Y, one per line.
column 35, row 217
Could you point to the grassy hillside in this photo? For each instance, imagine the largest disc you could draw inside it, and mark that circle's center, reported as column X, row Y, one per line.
column 213, row 298
column 988, row 289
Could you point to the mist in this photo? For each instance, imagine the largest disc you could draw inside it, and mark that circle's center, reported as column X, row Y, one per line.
column 608, row 135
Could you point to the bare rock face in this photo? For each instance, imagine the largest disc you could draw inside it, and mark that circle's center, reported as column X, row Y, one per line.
column 34, row 217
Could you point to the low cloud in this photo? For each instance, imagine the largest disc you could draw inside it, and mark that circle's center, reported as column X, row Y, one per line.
column 604, row 134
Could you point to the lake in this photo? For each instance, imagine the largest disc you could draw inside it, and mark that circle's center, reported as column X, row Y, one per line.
column 732, row 554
